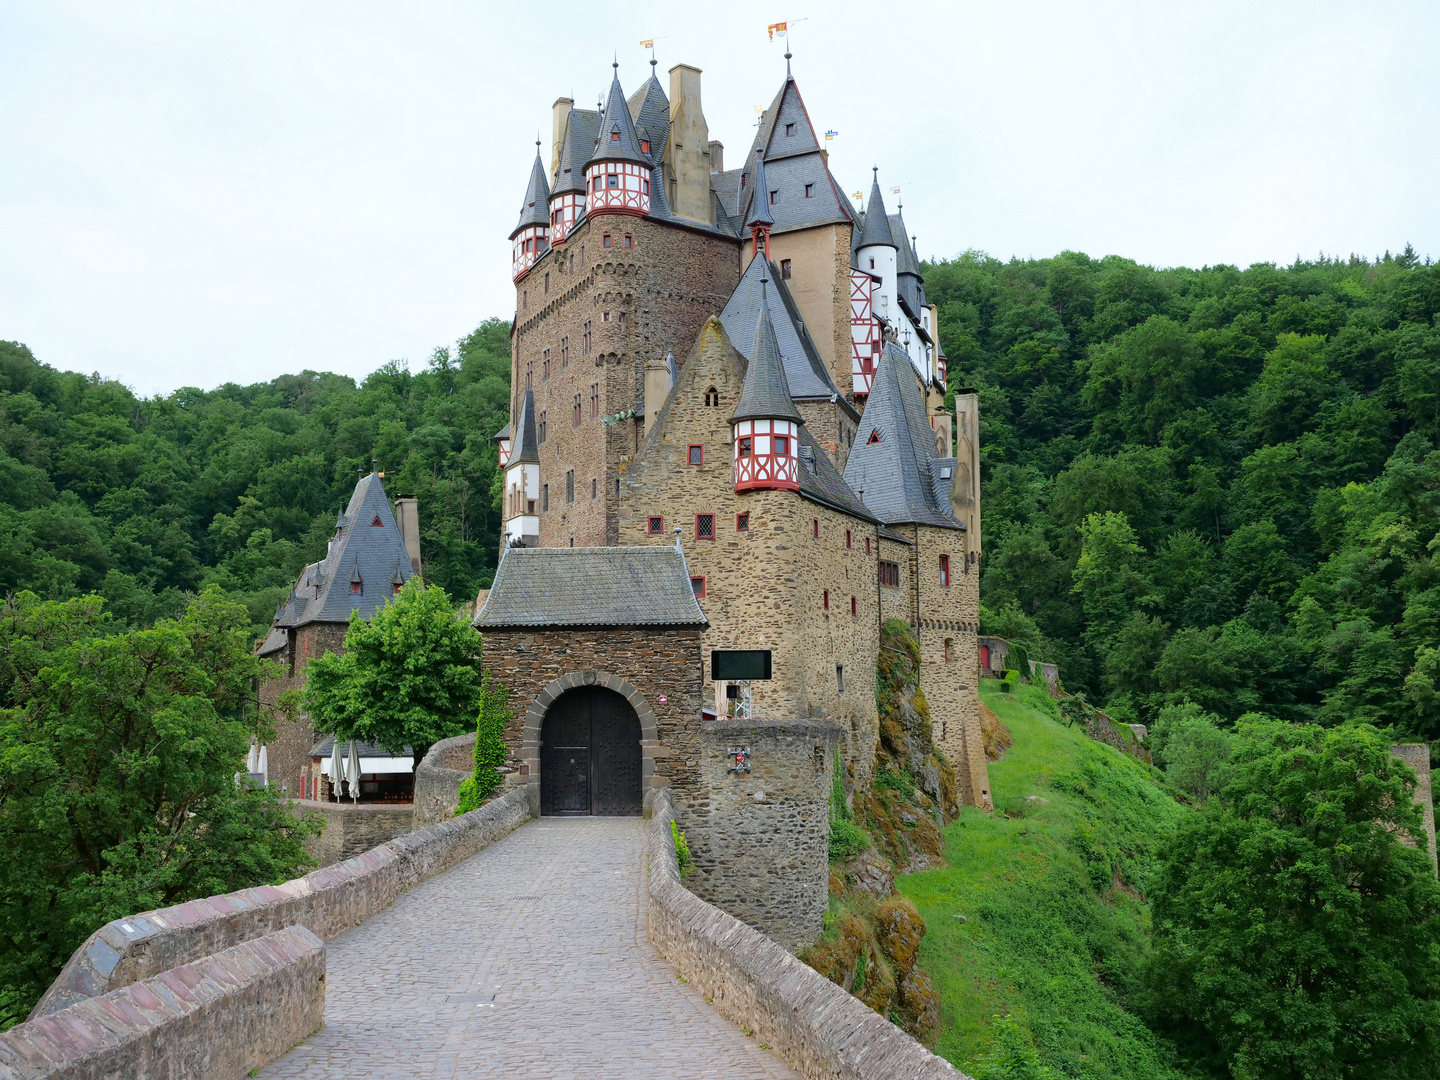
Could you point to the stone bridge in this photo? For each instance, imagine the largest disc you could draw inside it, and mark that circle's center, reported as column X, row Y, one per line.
column 493, row 944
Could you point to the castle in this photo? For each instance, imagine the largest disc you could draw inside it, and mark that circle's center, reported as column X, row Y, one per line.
column 734, row 366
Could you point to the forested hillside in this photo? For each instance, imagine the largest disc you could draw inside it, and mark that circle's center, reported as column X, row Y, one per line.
column 143, row 500
column 1219, row 486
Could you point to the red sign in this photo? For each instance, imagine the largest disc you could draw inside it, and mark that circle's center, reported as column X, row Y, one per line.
column 662, row 700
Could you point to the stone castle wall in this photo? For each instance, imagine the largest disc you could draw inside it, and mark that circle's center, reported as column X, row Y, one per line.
column 289, row 753
column 820, row 284
column 352, row 828
column 759, row 837
column 1417, row 756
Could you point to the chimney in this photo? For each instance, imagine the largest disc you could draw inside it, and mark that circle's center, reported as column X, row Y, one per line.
column 407, row 516
column 717, row 156
column 559, row 126
column 690, row 145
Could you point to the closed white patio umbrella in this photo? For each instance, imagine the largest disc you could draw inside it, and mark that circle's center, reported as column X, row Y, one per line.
column 353, row 768
column 264, row 766
column 336, row 772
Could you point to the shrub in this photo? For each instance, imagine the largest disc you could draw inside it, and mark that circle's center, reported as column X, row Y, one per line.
column 1018, row 658
column 682, row 850
column 489, row 745
column 1013, row 1057
column 847, row 840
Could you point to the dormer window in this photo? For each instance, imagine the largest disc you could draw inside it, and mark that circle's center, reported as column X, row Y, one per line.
column 809, row 191
column 789, row 131
column 377, row 523
column 615, row 136
column 644, row 146
column 874, row 437
column 354, row 588
column 774, row 196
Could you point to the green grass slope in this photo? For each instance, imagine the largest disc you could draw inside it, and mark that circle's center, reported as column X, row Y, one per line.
column 1050, row 888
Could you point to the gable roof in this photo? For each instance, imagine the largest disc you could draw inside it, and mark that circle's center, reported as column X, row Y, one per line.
column 617, row 139
column 535, row 210
column 581, row 128
column 598, row 586
column 766, row 394
column 361, row 552
column 806, row 373
column 821, row 481
column 875, row 227
column 894, row 475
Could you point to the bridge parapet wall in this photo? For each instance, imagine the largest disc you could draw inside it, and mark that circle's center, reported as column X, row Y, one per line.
column 214, row 1019
column 327, row 902
column 756, row 984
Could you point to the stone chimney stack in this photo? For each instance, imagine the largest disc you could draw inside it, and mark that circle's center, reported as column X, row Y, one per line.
column 559, row 125
column 717, row 156
column 690, row 147
column 407, row 516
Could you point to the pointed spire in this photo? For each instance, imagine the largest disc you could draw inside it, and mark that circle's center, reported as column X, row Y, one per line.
column 760, row 198
column 536, row 208
column 617, row 139
column 526, row 448
column 766, row 394
column 788, row 76
column 876, row 230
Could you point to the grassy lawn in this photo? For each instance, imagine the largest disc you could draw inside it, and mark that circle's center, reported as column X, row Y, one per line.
column 1049, row 888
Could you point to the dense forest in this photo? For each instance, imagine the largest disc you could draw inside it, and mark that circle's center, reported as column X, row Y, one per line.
column 145, row 500
column 1218, row 487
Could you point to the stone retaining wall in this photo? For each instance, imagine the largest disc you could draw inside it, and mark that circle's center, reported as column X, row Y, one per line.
column 1417, row 756
column 353, row 828
column 327, row 902
column 447, row 765
column 813, row 1024
column 214, row 1019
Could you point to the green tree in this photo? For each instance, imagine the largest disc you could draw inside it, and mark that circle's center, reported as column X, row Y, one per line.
column 118, row 759
column 408, row 677
column 1110, row 576
column 1296, row 934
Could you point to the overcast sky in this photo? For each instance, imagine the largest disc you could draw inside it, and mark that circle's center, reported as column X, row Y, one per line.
column 194, row 193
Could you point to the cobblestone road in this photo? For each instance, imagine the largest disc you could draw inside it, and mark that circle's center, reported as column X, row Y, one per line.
column 551, row 922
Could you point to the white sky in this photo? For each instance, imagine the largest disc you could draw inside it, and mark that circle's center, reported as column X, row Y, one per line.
column 194, row 193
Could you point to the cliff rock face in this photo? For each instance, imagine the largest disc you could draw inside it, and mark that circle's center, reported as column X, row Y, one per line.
column 872, row 937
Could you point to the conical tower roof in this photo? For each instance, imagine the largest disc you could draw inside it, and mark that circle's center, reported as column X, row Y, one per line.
column 876, row 230
column 617, row 139
column 536, row 208
column 650, row 109
column 526, row 447
column 766, row 395
column 760, row 202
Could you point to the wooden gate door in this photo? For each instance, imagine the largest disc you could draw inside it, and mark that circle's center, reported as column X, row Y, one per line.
column 590, row 757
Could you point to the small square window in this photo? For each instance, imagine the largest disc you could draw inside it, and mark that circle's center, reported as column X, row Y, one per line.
column 785, row 269
column 612, row 181
column 696, row 454
column 704, row 526
column 697, row 585
column 605, row 241
column 745, row 445
column 789, row 131
column 782, row 445
column 742, row 522
column 629, row 241
column 655, row 526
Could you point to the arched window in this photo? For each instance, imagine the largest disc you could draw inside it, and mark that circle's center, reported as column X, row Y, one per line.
column 712, row 396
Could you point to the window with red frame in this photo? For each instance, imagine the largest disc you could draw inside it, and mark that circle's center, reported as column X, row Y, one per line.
column 704, row 526
column 889, row 573
column 594, row 401
column 854, row 608
column 742, row 522
column 354, row 586
column 848, row 542
column 745, row 445
column 696, row 455
column 867, row 545
column 827, row 599
column 815, row 527
column 655, row 526
column 944, row 569
column 697, row 585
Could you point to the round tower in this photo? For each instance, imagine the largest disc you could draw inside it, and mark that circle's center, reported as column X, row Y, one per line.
column 876, row 252
column 617, row 176
column 567, row 201
column 531, row 235
column 766, row 424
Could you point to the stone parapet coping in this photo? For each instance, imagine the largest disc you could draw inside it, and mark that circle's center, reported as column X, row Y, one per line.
column 214, row 1019
column 757, row 985
column 327, row 901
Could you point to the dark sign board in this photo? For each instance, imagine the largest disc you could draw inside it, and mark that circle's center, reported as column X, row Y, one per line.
column 735, row 665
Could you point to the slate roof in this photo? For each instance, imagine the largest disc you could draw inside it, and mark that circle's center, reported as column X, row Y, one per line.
column 821, row 481
column 894, row 476
column 535, row 210
column 805, row 372
column 502, row 434
column 617, row 139
column 581, row 128
column 650, row 110
column 599, row 586
column 527, row 446
column 363, row 749
column 760, row 206
column 766, row 394
column 362, row 552
column 875, row 227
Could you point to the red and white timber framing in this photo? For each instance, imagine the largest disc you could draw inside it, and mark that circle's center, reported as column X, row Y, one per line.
column 504, row 452
column 530, row 244
column 767, row 455
column 864, row 332
column 617, row 187
column 564, row 212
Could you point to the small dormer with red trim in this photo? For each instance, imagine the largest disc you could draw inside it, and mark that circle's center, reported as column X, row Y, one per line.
column 759, row 221
column 531, row 235
column 617, row 176
column 765, row 423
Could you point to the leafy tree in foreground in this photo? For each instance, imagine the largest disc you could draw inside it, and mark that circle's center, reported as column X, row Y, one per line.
column 118, row 755
column 489, row 745
column 1297, row 936
column 410, row 676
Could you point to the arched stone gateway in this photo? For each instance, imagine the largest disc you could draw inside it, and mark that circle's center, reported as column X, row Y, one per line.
column 590, row 754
